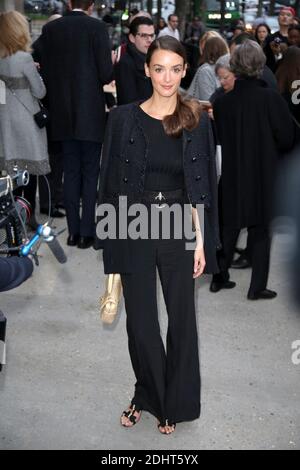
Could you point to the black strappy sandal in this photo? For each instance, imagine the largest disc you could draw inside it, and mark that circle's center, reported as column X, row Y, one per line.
column 165, row 423
column 130, row 415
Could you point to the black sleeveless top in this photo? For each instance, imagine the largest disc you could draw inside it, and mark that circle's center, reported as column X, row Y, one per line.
column 164, row 171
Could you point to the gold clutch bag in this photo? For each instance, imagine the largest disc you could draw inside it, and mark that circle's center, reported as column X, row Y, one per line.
column 110, row 300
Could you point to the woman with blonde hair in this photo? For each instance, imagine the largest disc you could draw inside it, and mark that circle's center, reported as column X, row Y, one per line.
column 22, row 142
column 205, row 37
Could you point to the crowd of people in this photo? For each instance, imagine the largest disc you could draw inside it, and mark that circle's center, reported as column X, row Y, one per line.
column 159, row 143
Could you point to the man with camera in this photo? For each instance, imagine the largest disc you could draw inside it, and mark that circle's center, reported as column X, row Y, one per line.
column 277, row 43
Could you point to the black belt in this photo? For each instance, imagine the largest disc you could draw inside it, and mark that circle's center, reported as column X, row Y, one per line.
column 160, row 198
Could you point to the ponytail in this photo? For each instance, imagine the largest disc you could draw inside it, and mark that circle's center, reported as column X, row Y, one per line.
column 186, row 116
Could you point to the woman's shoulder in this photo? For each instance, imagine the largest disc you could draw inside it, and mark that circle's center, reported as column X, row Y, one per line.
column 21, row 56
column 265, row 94
column 123, row 110
column 207, row 68
column 16, row 62
column 203, row 123
column 275, row 101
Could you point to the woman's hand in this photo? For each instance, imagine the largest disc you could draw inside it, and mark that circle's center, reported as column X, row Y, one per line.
column 210, row 112
column 199, row 262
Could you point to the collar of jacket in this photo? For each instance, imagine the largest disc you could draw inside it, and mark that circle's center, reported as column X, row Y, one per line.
column 75, row 13
column 243, row 82
column 138, row 57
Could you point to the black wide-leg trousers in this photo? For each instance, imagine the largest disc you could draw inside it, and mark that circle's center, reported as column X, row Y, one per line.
column 167, row 382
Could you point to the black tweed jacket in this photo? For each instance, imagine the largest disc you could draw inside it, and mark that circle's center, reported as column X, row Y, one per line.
column 123, row 168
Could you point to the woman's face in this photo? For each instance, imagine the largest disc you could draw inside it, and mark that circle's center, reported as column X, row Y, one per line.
column 294, row 37
column 166, row 70
column 226, row 78
column 262, row 33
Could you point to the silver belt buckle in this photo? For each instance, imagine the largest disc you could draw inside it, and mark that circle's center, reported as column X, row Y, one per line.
column 160, row 197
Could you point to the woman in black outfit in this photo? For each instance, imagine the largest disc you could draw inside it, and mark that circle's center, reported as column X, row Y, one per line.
column 254, row 128
column 158, row 153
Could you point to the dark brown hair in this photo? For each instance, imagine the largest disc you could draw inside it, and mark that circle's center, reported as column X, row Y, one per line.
column 188, row 111
column 214, row 48
column 137, row 22
column 83, row 4
column 289, row 69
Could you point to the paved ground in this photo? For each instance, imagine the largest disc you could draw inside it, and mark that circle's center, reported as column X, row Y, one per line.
column 68, row 378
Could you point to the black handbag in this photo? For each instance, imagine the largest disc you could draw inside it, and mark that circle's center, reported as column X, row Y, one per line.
column 41, row 117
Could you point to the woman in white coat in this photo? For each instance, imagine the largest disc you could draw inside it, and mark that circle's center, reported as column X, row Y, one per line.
column 22, row 142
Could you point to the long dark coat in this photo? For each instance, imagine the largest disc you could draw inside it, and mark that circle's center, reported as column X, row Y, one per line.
column 75, row 58
column 131, row 81
column 123, row 168
column 254, row 127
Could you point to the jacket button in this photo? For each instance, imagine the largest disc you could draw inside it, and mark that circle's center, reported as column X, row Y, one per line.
column 194, row 159
column 126, row 161
column 125, row 180
column 203, row 197
column 189, row 139
column 131, row 140
column 198, row 178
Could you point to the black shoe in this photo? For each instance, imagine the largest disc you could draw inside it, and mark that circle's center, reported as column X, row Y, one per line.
column 263, row 294
column 216, row 286
column 73, row 240
column 240, row 251
column 85, row 242
column 240, row 263
column 55, row 213
column 98, row 244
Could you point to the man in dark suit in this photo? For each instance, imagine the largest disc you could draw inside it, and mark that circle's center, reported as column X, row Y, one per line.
column 75, row 63
column 131, row 81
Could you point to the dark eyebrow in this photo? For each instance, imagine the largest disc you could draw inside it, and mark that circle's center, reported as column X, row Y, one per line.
column 158, row 65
